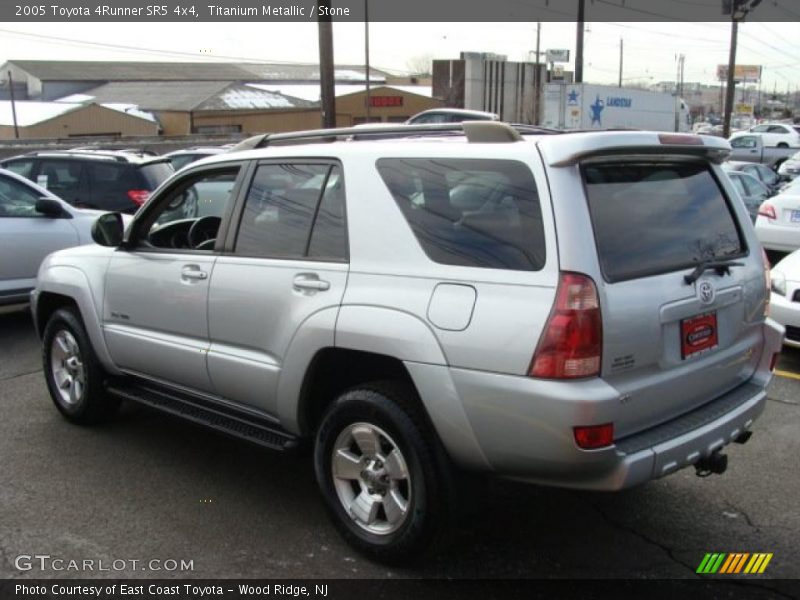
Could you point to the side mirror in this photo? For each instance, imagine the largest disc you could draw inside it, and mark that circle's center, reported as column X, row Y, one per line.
column 50, row 208
column 107, row 230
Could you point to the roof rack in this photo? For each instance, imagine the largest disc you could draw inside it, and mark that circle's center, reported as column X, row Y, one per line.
column 475, row 131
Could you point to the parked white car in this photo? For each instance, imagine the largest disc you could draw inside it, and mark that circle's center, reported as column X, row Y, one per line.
column 785, row 297
column 34, row 223
column 778, row 222
column 791, row 166
column 777, row 134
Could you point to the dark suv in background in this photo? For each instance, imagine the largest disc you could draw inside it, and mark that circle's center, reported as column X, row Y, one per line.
column 107, row 180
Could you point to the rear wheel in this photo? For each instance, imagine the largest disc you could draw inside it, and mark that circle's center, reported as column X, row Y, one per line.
column 74, row 375
column 381, row 471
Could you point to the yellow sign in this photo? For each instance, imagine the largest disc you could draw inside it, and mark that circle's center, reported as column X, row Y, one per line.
column 744, row 109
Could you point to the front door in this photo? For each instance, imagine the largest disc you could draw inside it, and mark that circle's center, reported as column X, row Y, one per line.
column 155, row 312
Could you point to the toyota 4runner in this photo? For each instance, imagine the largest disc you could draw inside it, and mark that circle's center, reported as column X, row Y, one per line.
column 584, row 310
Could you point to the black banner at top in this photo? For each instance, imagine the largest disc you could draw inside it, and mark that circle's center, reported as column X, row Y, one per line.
column 395, row 10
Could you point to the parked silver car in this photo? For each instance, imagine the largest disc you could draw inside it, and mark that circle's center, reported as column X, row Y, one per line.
column 585, row 310
column 34, row 223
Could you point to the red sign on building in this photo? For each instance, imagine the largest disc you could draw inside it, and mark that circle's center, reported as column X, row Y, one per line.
column 383, row 101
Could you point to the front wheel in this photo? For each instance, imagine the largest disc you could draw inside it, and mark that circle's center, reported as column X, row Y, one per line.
column 384, row 477
column 74, row 375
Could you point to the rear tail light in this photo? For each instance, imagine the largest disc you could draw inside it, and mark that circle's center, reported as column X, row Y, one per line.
column 767, row 280
column 572, row 342
column 138, row 197
column 767, row 210
column 594, row 436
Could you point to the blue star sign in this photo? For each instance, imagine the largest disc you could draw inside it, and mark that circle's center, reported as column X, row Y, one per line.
column 597, row 109
column 572, row 97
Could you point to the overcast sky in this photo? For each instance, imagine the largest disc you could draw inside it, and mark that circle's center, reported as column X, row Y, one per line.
column 650, row 49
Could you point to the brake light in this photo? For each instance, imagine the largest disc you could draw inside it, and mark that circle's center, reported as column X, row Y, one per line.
column 572, row 342
column 773, row 362
column 767, row 210
column 138, row 197
column 676, row 139
column 767, row 280
column 594, row 436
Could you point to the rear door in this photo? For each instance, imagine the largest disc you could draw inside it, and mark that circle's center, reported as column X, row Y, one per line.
column 287, row 264
column 672, row 344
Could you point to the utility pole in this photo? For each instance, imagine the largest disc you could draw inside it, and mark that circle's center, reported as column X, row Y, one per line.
column 327, row 92
column 13, row 105
column 729, row 90
column 579, row 43
column 366, row 53
column 537, row 79
column 620, row 62
column 738, row 10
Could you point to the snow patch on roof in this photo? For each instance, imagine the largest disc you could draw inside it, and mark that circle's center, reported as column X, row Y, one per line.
column 31, row 113
column 257, row 98
column 130, row 109
column 350, row 75
column 76, row 98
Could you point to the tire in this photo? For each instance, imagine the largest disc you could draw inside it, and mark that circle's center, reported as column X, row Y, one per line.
column 74, row 375
column 390, row 470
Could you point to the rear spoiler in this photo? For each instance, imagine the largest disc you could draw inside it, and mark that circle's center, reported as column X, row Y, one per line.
column 564, row 151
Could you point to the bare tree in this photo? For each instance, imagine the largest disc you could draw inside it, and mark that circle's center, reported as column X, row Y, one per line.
column 420, row 65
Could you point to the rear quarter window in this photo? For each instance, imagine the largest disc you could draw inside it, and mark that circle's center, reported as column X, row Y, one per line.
column 470, row 212
column 652, row 218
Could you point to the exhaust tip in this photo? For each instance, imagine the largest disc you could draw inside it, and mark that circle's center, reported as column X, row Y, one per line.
column 743, row 437
column 714, row 464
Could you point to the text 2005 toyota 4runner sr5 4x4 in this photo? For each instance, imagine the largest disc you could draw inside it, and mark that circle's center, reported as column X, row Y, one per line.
column 585, row 310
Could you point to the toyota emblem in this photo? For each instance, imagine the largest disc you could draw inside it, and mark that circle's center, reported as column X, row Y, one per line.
column 705, row 292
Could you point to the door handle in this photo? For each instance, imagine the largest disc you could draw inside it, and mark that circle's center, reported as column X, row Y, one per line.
column 310, row 282
column 193, row 273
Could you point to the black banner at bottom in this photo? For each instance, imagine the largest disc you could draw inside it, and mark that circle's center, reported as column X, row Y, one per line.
column 414, row 589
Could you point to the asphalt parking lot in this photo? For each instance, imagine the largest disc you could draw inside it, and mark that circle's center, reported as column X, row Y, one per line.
column 148, row 487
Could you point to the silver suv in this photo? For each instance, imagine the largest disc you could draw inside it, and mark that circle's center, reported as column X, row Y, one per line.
column 584, row 310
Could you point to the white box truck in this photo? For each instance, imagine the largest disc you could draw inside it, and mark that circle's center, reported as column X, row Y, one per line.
column 592, row 106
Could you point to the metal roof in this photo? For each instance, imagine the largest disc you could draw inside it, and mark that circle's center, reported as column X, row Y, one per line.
column 188, row 95
column 69, row 70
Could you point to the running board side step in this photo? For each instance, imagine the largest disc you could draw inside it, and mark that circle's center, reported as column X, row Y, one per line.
column 223, row 419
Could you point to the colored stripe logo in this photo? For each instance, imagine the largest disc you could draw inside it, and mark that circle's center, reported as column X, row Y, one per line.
column 734, row 563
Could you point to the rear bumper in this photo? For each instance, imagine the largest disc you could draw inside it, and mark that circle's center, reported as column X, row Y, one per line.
column 780, row 238
column 524, row 427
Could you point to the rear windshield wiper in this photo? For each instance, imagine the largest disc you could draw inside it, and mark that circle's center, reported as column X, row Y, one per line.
column 722, row 267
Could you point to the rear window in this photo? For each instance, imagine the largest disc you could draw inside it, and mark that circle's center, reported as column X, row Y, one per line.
column 155, row 173
column 470, row 212
column 654, row 218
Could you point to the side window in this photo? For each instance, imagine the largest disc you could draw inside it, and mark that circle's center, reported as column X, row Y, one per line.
column 739, row 184
column 746, row 141
column 760, row 129
column 62, row 177
column 284, row 203
column 16, row 199
column 470, row 212
column 777, row 129
column 20, row 167
column 188, row 217
column 111, row 177
column 329, row 235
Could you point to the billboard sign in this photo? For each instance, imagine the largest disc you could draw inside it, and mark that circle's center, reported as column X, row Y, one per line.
column 745, row 73
column 554, row 56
